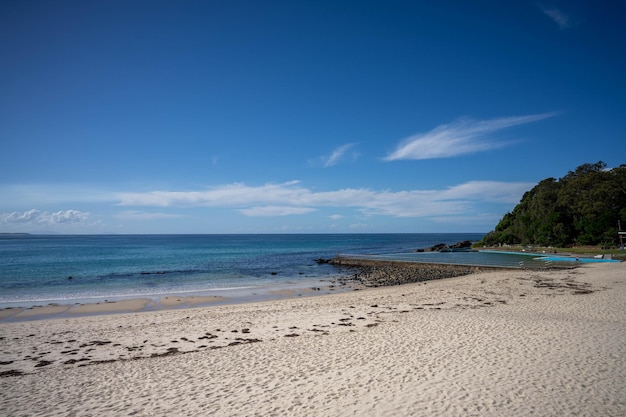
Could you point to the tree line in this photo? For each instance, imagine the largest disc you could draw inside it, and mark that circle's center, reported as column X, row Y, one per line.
column 582, row 208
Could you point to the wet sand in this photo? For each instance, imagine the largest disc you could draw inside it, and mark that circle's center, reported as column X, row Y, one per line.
column 167, row 302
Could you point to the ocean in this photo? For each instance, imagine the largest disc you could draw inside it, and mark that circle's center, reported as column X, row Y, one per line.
column 45, row 269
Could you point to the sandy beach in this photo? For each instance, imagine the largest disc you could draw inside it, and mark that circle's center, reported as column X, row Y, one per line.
column 514, row 343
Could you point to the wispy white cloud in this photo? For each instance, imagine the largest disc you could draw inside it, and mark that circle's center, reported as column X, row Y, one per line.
column 491, row 191
column 231, row 195
column 464, row 136
column 557, row 16
column 44, row 218
column 337, row 155
column 291, row 198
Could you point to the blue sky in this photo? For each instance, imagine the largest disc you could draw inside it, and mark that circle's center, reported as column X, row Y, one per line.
column 300, row 116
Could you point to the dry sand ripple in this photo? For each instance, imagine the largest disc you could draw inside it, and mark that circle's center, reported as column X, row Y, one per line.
column 498, row 343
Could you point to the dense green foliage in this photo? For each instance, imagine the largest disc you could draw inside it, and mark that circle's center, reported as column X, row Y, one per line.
column 582, row 208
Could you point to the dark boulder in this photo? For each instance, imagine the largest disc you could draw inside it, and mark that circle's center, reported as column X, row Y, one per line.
column 437, row 248
column 442, row 247
column 462, row 244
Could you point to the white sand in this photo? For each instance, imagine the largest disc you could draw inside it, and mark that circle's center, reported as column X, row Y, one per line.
column 495, row 344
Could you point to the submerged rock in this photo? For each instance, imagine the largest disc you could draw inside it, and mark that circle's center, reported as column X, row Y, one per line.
column 322, row 261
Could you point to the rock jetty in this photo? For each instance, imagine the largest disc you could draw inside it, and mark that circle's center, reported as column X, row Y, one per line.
column 376, row 273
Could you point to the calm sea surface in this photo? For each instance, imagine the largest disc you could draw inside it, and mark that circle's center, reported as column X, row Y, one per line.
column 38, row 269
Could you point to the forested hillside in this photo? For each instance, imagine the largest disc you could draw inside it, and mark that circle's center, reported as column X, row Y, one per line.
column 582, row 208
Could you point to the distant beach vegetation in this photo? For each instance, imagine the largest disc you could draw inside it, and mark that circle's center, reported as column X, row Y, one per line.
column 582, row 208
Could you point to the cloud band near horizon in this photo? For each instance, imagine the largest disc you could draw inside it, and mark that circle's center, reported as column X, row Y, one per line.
column 35, row 216
column 291, row 198
column 287, row 199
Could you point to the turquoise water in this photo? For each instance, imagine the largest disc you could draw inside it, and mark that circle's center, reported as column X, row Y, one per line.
column 495, row 259
column 491, row 258
column 582, row 260
column 65, row 269
column 551, row 258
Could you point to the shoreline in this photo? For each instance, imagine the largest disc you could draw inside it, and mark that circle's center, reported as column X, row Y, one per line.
column 358, row 273
column 173, row 301
column 515, row 342
column 364, row 273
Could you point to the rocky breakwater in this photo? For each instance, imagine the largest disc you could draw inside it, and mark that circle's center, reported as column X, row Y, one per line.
column 375, row 273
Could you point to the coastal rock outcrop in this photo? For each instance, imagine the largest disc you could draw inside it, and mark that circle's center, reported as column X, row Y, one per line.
column 462, row 244
column 437, row 248
column 442, row 247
